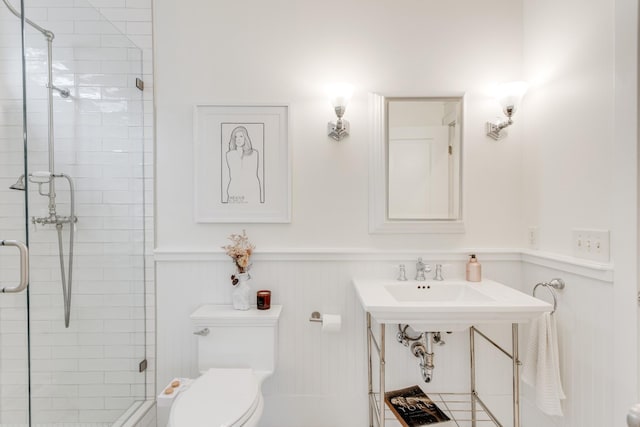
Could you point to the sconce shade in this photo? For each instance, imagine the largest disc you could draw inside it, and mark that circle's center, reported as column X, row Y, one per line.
column 339, row 94
column 509, row 95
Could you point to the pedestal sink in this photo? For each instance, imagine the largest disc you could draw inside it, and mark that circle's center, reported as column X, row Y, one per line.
column 436, row 306
column 448, row 305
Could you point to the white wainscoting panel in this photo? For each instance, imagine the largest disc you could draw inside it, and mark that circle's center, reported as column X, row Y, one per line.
column 320, row 380
column 585, row 321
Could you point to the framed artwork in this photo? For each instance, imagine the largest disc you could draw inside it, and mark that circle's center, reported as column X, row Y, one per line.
column 242, row 163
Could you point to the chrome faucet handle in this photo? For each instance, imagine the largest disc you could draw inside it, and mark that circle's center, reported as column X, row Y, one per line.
column 438, row 275
column 402, row 274
column 422, row 268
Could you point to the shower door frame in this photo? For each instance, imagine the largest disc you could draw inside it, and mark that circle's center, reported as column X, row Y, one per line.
column 20, row 240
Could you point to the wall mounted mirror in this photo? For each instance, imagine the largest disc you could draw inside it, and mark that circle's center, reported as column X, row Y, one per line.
column 416, row 165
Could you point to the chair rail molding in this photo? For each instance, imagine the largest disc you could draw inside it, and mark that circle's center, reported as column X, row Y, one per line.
column 582, row 267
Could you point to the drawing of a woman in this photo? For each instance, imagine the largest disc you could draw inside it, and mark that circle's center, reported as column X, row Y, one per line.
column 243, row 163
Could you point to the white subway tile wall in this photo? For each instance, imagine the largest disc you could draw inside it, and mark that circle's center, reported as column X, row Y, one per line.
column 86, row 375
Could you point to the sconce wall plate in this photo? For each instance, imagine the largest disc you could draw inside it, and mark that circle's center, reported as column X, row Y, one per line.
column 339, row 96
column 493, row 131
column 496, row 130
column 338, row 133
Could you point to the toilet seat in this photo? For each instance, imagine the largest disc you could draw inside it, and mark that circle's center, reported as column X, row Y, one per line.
column 218, row 398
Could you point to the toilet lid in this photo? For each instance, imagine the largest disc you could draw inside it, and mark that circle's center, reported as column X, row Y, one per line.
column 218, row 398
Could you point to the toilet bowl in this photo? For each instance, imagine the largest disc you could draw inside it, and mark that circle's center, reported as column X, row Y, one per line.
column 236, row 353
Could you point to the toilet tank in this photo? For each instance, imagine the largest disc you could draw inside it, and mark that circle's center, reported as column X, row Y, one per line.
column 237, row 338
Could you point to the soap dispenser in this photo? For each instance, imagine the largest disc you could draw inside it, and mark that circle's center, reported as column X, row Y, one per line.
column 474, row 269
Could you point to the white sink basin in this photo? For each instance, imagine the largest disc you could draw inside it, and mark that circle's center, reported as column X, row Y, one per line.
column 411, row 292
column 446, row 305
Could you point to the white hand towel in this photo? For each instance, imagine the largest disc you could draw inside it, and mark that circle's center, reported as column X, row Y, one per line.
column 542, row 365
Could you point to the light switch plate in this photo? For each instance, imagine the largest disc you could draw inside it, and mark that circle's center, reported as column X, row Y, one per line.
column 591, row 244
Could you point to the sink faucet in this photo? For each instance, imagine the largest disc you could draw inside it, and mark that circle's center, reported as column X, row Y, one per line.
column 438, row 274
column 422, row 268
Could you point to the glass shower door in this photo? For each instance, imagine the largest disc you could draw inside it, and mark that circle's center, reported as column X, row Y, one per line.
column 72, row 345
column 86, row 296
column 14, row 348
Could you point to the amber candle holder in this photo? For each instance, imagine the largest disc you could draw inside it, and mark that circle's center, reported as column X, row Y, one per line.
column 264, row 300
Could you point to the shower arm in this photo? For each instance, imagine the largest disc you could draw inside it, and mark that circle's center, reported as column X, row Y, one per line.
column 48, row 34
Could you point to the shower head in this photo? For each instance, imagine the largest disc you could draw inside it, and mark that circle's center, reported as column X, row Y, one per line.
column 19, row 185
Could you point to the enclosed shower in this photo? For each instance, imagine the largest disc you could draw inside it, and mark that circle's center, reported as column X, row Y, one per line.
column 73, row 339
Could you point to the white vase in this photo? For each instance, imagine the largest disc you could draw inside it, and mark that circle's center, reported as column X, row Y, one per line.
column 241, row 292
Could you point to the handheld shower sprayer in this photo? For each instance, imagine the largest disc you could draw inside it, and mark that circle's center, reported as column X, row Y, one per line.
column 66, row 272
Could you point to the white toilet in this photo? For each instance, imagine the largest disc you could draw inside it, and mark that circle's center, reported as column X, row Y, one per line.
column 236, row 352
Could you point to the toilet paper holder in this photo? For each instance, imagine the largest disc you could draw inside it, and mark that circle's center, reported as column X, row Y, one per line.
column 202, row 332
column 316, row 317
column 330, row 322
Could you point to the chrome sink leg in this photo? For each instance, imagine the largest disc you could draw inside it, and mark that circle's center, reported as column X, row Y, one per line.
column 516, row 375
column 370, row 369
column 382, row 372
column 472, row 356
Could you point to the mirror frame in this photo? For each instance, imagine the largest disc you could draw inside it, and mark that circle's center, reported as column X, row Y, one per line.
column 379, row 223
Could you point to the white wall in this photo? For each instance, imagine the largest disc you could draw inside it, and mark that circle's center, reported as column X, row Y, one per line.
column 625, row 249
column 568, row 119
column 569, row 162
column 219, row 53
column 580, row 146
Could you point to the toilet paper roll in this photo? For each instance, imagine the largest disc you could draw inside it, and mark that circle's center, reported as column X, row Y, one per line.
column 331, row 323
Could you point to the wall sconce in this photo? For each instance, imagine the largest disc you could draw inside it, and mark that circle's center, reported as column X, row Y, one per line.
column 339, row 96
column 509, row 95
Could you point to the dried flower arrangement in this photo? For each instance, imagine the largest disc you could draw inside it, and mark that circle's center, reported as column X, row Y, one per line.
column 240, row 251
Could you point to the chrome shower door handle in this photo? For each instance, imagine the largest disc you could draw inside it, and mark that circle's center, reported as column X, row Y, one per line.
column 24, row 266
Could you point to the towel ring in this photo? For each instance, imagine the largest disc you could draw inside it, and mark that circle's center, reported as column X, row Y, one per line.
column 553, row 284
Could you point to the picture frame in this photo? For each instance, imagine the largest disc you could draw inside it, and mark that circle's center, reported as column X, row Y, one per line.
column 242, row 164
